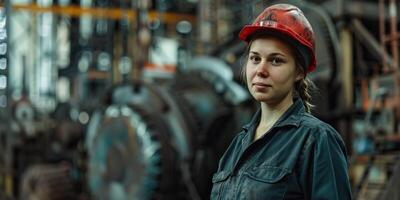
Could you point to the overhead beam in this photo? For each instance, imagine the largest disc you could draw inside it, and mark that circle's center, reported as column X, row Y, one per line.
column 353, row 8
column 109, row 13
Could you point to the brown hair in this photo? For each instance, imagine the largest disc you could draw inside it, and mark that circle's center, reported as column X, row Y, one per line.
column 303, row 87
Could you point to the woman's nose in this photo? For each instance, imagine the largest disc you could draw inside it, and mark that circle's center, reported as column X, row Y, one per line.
column 262, row 69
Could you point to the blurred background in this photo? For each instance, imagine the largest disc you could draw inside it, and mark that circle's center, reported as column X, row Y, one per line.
column 138, row 99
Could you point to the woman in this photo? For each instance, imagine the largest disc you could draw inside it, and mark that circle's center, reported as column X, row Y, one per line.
column 284, row 152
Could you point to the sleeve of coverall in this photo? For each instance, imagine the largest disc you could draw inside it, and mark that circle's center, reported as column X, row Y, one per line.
column 324, row 167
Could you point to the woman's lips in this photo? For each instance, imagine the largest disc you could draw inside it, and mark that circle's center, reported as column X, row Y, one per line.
column 261, row 85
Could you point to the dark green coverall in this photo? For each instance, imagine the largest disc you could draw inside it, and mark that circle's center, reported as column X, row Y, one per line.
column 300, row 157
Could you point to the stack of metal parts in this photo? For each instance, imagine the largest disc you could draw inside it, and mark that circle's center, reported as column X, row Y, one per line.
column 381, row 179
column 43, row 157
column 391, row 191
column 47, row 182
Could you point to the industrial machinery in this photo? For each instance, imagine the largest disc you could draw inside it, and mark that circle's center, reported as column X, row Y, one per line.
column 119, row 101
column 164, row 141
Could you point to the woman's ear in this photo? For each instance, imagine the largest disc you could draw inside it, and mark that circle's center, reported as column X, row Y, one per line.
column 300, row 74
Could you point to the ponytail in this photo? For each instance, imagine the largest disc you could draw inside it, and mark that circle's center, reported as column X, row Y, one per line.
column 304, row 87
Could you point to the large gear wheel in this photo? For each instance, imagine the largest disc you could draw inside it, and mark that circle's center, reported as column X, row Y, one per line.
column 128, row 157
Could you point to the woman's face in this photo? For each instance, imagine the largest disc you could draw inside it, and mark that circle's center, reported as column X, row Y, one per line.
column 271, row 70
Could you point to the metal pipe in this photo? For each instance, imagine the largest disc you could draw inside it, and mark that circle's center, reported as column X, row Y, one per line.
column 395, row 51
column 382, row 33
column 346, row 71
column 394, row 33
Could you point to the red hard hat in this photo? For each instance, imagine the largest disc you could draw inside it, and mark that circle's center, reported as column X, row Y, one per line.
column 287, row 20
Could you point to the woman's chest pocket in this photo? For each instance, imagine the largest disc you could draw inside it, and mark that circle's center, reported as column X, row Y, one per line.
column 219, row 189
column 266, row 182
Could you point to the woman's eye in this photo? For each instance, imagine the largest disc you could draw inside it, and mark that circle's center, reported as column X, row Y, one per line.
column 255, row 58
column 276, row 61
